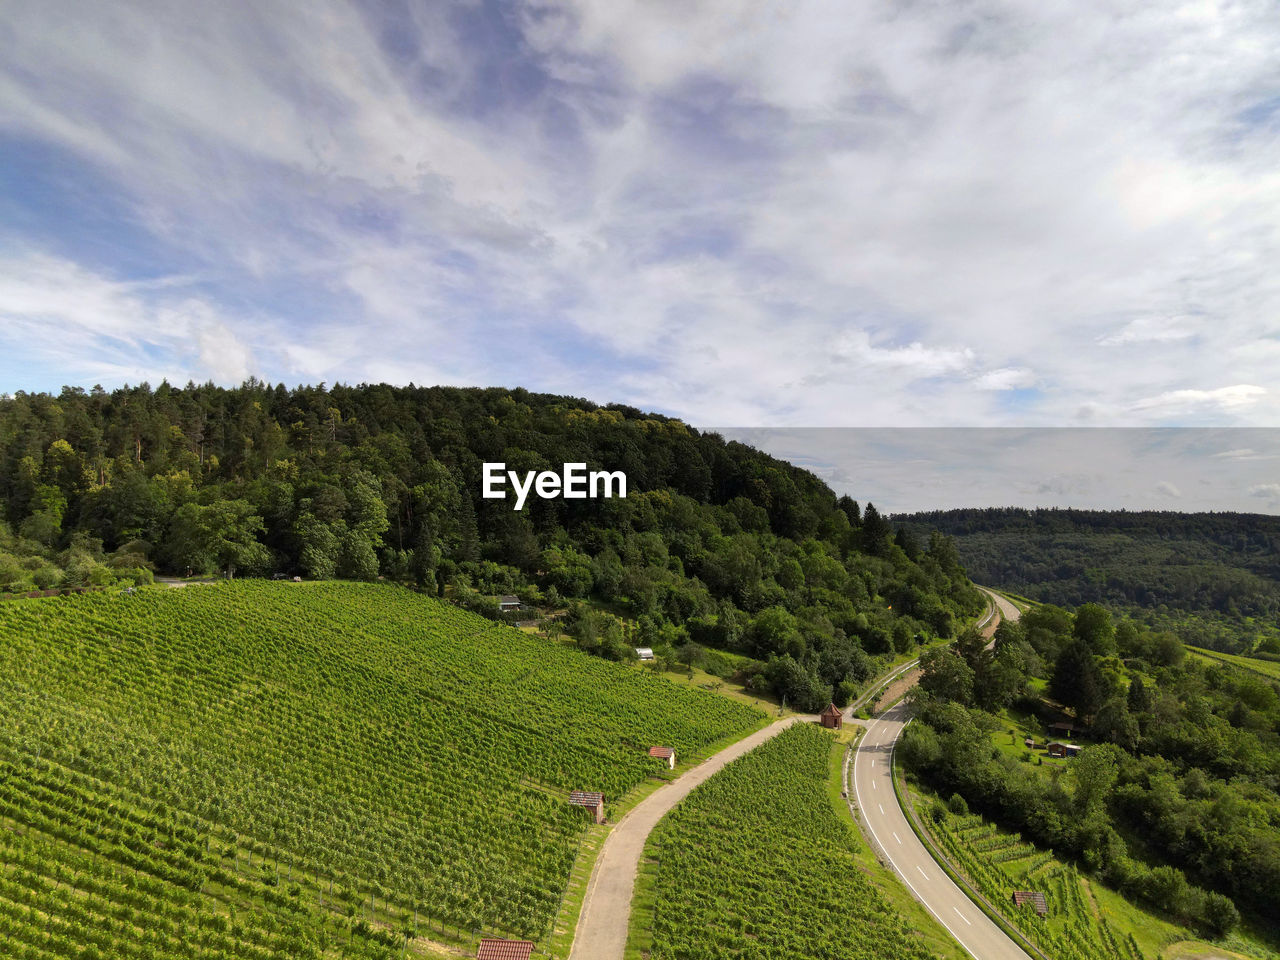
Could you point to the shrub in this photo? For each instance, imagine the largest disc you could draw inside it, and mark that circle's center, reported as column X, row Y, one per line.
column 1220, row 914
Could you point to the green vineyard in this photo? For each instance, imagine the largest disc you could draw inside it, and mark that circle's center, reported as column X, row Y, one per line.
column 257, row 770
column 997, row 863
column 756, row 864
column 1268, row 668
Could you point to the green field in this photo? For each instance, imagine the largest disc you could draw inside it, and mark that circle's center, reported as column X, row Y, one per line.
column 259, row 770
column 757, row 864
column 1085, row 921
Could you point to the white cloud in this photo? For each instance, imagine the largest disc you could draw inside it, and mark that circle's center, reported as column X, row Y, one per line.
column 1242, row 453
column 1266, row 491
column 221, row 353
column 1149, row 330
column 914, row 359
column 1167, row 489
column 101, row 329
column 819, row 214
column 1223, row 398
column 1006, row 378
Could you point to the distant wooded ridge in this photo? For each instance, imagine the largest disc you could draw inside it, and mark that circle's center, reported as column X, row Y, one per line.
column 1213, row 578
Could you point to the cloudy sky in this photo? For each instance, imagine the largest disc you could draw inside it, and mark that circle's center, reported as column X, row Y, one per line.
column 1166, row 468
column 755, row 214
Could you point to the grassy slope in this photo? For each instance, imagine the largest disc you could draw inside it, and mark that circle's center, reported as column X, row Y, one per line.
column 382, row 753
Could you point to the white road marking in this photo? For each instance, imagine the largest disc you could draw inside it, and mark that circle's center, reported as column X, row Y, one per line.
column 905, row 879
column 873, row 785
column 896, row 837
column 928, row 906
column 962, row 916
column 881, row 808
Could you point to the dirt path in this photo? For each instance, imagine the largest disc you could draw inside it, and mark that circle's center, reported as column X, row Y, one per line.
column 900, row 686
column 601, row 933
column 606, row 912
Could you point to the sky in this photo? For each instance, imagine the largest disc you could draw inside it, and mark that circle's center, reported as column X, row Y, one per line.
column 806, row 214
column 1187, row 469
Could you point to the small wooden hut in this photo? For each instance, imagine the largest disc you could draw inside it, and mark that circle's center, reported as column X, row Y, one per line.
column 665, row 753
column 1035, row 898
column 591, row 800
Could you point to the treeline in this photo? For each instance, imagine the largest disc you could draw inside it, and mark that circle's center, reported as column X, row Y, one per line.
column 1174, row 801
column 1212, row 578
column 717, row 545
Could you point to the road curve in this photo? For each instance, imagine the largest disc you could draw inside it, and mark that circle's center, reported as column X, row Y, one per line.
column 601, row 933
column 986, row 624
column 886, row 824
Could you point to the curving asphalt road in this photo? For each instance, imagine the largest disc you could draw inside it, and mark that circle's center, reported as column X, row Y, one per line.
column 886, row 824
column 601, row 933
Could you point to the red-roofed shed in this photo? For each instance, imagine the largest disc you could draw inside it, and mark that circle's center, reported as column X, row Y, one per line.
column 592, row 801
column 665, row 753
column 491, row 948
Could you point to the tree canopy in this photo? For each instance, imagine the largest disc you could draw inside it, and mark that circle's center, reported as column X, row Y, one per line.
column 716, row 543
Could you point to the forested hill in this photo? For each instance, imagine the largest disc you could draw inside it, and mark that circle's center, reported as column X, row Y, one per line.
column 1214, row 578
column 716, row 543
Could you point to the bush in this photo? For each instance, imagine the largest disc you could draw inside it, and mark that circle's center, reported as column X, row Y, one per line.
column 958, row 805
column 919, row 747
column 1220, row 914
column 845, row 691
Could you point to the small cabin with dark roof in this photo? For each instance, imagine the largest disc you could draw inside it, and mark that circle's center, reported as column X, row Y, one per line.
column 494, row 948
column 509, row 604
column 664, row 753
column 1057, row 749
column 1035, row 898
column 591, row 800
column 1064, row 728
column 831, row 717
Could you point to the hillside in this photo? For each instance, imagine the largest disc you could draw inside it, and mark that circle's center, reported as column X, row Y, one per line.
column 1212, row 578
column 295, row 770
column 1172, row 799
column 716, row 545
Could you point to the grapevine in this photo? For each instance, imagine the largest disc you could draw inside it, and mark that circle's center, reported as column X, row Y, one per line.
column 266, row 771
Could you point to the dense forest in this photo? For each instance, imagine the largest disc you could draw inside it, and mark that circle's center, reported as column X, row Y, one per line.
column 1173, row 799
column 716, row 546
column 1212, row 578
